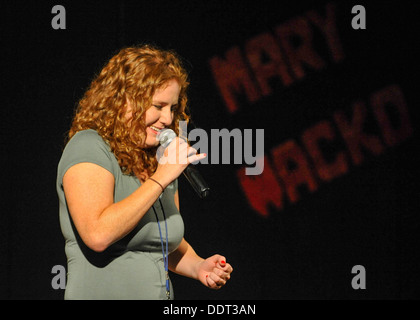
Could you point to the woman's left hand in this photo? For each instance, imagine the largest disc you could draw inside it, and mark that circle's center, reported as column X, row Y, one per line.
column 214, row 271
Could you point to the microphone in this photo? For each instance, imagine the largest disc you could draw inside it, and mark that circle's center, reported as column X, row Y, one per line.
column 191, row 173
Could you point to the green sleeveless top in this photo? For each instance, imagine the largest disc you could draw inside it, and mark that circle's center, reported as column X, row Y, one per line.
column 131, row 268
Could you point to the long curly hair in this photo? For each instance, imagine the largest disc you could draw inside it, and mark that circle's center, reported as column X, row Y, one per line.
column 135, row 73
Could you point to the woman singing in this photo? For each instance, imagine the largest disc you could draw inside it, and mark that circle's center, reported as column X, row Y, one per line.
column 119, row 206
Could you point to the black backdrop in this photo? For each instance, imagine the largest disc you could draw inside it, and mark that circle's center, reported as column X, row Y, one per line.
column 306, row 249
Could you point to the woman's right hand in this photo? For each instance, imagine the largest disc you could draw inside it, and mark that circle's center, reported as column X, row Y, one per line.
column 174, row 159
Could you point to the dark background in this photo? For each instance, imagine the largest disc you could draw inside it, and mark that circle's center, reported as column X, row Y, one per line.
column 369, row 217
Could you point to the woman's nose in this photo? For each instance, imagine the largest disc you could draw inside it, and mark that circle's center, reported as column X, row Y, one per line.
column 166, row 116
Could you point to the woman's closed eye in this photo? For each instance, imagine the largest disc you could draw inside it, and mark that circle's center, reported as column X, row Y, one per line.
column 159, row 107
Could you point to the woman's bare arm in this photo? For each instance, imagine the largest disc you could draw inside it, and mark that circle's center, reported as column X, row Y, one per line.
column 89, row 191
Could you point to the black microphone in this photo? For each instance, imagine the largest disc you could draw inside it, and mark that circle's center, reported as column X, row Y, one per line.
column 193, row 176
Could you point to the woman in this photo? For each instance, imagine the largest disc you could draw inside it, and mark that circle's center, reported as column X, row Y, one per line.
column 119, row 207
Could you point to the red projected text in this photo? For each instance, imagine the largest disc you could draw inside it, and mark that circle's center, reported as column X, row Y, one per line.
column 304, row 163
column 269, row 55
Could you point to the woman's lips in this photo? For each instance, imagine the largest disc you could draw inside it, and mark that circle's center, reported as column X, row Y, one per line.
column 154, row 129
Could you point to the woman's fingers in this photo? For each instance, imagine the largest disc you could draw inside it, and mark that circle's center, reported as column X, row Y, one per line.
column 193, row 156
column 219, row 276
column 211, row 283
column 191, row 151
column 196, row 157
column 179, row 152
column 214, row 281
column 221, row 264
column 216, row 271
column 223, row 275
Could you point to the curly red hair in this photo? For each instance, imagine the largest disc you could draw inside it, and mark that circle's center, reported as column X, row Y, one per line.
column 135, row 73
